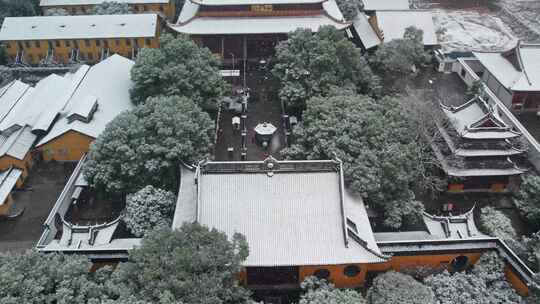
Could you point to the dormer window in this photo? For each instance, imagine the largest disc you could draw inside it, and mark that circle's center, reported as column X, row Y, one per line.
column 84, row 110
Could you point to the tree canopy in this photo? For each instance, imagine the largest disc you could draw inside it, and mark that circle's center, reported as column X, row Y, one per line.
column 311, row 64
column 146, row 145
column 349, row 8
column 496, row 224
column 398, row 288
column 52, row 278
column 397, row 57
column 318, row 291
column 485, row 284
column 190, row 265
column 149, row 208
column 377, row 144
column 528, row 199
column 18, row 8
column 111, row 8
column 178, row 67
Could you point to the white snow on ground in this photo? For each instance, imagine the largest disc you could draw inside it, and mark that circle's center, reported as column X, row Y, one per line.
column 526, row 11
column 469, row 30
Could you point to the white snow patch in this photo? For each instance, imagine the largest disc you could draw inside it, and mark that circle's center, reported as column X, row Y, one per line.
column 472, row 31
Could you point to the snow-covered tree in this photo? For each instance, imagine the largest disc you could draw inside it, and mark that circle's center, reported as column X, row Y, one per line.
column 111, row 8
column 193, row 265
column 496, row 224
column 534, row 290
column 397, row 288
column 52, row 278
column 149, row 208
column 146, row 145
column 349, row 8
column 317, row 291
column 397, row 57
column 485, row 284
column 179, row 67
column 311, row 64
column 528, row 199
column 377, row 144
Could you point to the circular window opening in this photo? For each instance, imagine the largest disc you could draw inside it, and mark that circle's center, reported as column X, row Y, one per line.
column 322, row 273
column 351, row 271
column 459, row 263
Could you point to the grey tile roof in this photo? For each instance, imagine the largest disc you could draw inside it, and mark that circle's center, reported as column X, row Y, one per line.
column 289, row 217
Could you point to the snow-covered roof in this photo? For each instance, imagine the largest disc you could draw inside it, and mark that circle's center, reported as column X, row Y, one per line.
column 376, row 5
column 79, row 27
column 365, row 31
column 10, row 95
column 394, row 22
column 521, row 75
column 251, row 2
column 454, row 226
column 94, row 2
column 189, row 23
column 287, row 205
column 108, row 83
column 17, row 144
column 39, row 106
column 8, row 180
column 476, row 119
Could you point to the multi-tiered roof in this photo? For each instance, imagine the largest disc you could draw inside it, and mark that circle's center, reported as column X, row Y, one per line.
column 475, row 141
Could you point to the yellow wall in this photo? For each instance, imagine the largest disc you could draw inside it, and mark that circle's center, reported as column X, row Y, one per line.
column 4, row 208
column 68, row 147
column 89, row 49
column 167, row 9
column 515, row 281
column 7, row 162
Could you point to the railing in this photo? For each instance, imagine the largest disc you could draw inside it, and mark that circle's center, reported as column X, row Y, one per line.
column 260, row 166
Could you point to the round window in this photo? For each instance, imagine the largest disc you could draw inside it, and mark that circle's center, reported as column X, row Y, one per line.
column 322, row 273
column 460, row 263
column 351, row 271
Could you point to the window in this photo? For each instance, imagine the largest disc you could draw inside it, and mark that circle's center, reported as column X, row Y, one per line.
column 20, row 45
column 128, row 42
column 87, row 42
column 8, row 45
column 161, row 8
column 98, row 42
column 351, row 271
column 37, row 44
column 463, row 72
column 27, row 44
column 459, row 263
column 68, row 44
column 322, row 273
column 144, row 8
column 106, row 43
column 57, row 43
column 148, row 42
column 117, row 41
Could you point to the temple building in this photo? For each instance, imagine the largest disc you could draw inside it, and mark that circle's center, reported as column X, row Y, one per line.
column 238, row 29
column 514, row 75
column 165, row 8
column 477, row 149
column 73, row 39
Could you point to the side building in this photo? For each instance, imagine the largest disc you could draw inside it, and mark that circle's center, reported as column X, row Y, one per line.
column 514, row 75
column 71, row 39
column 165, row 8
column 98, row 98
column 477, row 149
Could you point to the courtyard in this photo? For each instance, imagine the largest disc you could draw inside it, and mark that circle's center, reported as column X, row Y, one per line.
column 263, row 106
column 41, row 189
